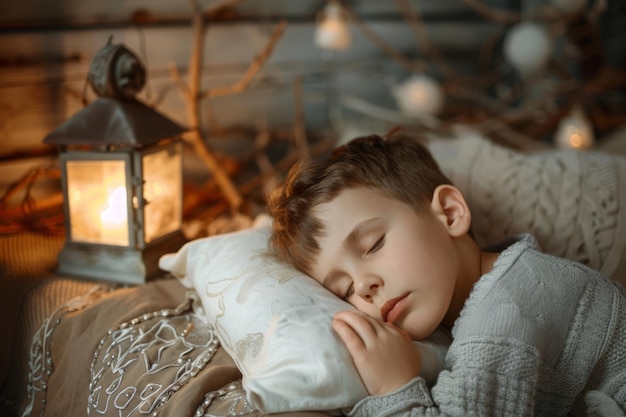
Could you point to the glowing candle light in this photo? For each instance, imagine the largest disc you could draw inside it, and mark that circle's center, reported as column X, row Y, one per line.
column 419, row 96
column 113, row 226
column 332, row 32
column 575, row 131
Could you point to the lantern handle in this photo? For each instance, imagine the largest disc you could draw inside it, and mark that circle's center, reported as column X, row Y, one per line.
column 84, row 95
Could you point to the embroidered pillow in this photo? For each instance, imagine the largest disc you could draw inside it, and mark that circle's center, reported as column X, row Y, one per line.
column 276, row 324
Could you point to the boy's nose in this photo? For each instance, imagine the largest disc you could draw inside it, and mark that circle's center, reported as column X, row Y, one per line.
column 367, row 286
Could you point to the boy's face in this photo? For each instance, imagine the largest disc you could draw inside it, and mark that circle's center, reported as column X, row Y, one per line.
column 386, row 260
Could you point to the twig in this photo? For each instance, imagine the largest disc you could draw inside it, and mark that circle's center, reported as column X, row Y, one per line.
column 35, row 152
column 285, row 163
column 423, row 40
column 178, row 80
column 387, row 115
column 34, row 211
column 26, row 181
column 415, row 21
column 511, row 137
column 417, row 26
column 193, row 96
column 44, row 215
column 299, row 131
column 498, row 16
column 389, row 50
column 262, row 160
column 254, row 183
column 194, row 136
column 253, row 69
column 217, row 8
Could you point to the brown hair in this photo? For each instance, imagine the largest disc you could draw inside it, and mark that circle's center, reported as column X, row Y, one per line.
column 399, row 166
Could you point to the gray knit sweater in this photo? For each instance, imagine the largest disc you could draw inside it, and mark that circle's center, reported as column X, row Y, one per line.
column 538, row 336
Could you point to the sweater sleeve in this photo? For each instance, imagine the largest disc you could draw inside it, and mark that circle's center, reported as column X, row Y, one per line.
column 493, row 377
column 411, row 396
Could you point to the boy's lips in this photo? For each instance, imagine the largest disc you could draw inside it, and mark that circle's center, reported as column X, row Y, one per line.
column 391, row 308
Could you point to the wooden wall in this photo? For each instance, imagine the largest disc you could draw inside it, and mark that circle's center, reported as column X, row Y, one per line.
column 46, row 48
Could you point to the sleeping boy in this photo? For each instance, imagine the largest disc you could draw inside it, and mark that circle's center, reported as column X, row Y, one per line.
column 379, row 225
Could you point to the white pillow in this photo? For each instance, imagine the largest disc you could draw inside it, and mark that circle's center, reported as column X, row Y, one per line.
column 276, row 324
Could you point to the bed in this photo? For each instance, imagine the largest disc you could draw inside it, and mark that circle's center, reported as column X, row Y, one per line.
column 99, row 349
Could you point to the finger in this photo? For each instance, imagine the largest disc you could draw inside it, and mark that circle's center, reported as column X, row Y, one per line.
column 365, row 326
column 399, row 330
column 350, row 338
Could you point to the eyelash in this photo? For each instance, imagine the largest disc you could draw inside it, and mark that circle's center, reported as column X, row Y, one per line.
column 348, row 293
column 377, row 245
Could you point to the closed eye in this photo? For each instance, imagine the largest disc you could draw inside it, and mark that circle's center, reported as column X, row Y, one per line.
column 349, row 292
column 379, row 244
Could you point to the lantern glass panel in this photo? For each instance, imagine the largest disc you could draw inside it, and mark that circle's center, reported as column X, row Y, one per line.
column 98, row 201
column 162, row 192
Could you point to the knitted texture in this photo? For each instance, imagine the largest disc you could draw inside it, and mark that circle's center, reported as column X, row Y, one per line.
column 597, row 402
column 573, row 202
column 29, row 254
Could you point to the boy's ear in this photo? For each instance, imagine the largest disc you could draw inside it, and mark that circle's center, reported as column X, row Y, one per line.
column 449, row 206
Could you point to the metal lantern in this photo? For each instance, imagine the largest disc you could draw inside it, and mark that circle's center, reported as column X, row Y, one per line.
column 121, row 172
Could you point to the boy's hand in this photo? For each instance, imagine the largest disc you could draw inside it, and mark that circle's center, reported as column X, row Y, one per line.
column 383, row 354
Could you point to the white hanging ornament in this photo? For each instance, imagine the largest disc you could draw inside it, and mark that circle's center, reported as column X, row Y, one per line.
column 574, row 131
column 570, row 6
column 332, row 30
column 419, row 96
column 527, row 47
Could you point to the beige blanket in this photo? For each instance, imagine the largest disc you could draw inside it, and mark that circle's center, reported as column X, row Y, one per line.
column 132, row 351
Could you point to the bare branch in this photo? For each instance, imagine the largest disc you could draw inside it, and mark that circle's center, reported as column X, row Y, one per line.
column 497, row 16
column 194, row 136
column 255, row 65
column 299, row 124
column 392, row 52
column 178, row 80
column 263, row 161
column 215, row 9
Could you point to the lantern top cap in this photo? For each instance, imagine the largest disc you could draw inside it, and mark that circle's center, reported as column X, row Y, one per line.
column 110, row 121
